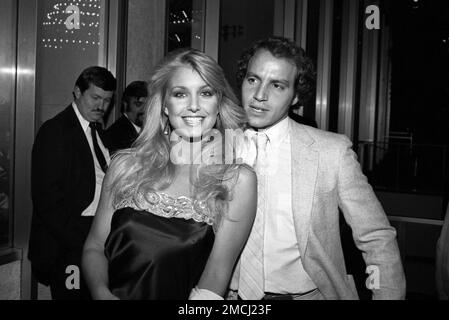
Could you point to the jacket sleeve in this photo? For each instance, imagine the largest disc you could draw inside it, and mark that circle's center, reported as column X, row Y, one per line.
column 371, row 230
column 50, row 203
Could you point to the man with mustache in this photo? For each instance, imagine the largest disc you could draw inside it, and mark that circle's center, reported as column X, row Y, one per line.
column 305, row 176
column 69, row 161
column 125, row 130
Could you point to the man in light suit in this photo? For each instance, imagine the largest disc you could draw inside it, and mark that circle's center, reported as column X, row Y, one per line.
column 125, row 130
column 304, row 176
column 69, row 161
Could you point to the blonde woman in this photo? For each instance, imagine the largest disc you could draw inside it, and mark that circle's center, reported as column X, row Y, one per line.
column 169, row 226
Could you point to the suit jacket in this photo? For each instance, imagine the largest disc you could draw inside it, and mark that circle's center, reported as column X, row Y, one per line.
column 325, row 176
column 120, row 135
column 442, row 260
column 63, row 186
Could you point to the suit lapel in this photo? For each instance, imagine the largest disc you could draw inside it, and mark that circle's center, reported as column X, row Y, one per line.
column 304, row 174
column 79, row 137
column 84, row 154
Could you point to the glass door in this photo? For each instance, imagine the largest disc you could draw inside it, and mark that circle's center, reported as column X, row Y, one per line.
column 8, row 68
column 70, row 38
column 194, row 24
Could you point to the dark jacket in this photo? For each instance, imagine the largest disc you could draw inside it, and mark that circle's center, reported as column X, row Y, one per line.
column 120, row 135
column 63, row 186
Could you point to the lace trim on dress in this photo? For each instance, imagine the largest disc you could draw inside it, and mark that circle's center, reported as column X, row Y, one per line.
column 164, row 205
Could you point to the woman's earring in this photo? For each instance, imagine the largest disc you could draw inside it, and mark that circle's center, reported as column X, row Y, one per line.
column 166, row 128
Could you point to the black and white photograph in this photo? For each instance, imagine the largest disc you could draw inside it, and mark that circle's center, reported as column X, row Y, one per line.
column 197, row 154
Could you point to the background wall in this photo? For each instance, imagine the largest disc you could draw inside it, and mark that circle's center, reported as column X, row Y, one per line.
column 146, row 46
column 10, row 281
column 241, row 23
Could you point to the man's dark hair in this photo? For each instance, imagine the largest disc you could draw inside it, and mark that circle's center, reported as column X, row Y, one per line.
column 281, row 47
column 136, row 89
column 97, row 76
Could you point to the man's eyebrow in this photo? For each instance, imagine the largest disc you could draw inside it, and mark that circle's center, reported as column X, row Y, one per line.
column 282, row 81
column 252, row 74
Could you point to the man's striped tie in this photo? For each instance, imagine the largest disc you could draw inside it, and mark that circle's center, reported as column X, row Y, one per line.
column 251, row 280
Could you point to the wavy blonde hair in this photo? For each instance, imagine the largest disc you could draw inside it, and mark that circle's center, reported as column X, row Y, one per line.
column 146, row 166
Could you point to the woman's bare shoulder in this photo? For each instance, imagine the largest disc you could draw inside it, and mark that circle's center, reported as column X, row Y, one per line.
column 247, row 175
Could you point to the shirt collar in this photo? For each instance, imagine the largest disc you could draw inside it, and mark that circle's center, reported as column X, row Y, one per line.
column 84, row 123
column 277, row 132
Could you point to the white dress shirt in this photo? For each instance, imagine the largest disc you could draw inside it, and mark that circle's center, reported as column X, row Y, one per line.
column 283, row 270
column 99, row 174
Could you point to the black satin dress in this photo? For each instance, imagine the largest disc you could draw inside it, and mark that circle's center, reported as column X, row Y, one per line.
column 154, row 256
